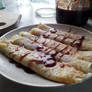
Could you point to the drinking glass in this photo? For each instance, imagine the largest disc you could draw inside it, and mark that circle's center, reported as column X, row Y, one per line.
column 44, row 8
column 1, row 5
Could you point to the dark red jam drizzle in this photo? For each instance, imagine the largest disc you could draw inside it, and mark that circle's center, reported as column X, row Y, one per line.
column 26, row 69
column 21, row 58
column 64, row 38
column 47, row 62
column 57, row 46
column 64, row 48
column 68, row 52
column 62, row 65
column 36, row 38
column 49, row 50
column 46, row 49
column 45, row 59
column 55, row 53
column 14, row 51
column 50, row 63
column 52, row 30
column 61, row 56
column 48, row 35
column 44, row 34
column 39, row 48
column 77, row 43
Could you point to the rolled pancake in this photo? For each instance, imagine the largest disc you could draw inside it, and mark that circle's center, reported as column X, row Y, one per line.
column 62, row 33
column 59, row 47
column 80, row 43
column 85, row 55
column 31, row 45
column 59, row 72
column 83, row 65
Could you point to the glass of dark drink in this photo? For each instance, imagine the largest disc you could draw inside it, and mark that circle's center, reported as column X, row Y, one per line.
column 74, row 12
column 90, row 13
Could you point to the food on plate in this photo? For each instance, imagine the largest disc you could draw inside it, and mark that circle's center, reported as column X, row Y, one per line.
column 59, row 47
column 42, row 64
column 61, row 56
column 61, row 32
column 56, row 55
column 79, row 41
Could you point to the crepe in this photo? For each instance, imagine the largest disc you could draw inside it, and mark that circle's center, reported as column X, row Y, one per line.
column 52, row 44
column 61, row 32
column 79, row 41
column 31, row 45
column 71, row 57
column 58, row 72
column 85, row 55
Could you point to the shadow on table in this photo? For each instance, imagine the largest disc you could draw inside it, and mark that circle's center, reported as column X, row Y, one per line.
column 7, row 85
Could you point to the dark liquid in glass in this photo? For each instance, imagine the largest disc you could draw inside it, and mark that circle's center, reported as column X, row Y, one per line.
column 90, row 13
column 73, row 17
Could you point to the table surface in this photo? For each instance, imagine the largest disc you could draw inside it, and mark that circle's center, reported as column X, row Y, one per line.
column 27, row 10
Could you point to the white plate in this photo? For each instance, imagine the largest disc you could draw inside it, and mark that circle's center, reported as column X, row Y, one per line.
column 13, row 73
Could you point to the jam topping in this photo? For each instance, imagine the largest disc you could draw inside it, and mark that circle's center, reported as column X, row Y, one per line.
column 44, row 34
column 47, row 33
column 45, row 59
column 27, row 53
column 39, row 48
column 54, row 54
column 17, row 49
column 77, row 43
column 62, row 65
column 64, row 38
column 48, row 60
column 36, row 38
column 53, row 30
column 64, row 48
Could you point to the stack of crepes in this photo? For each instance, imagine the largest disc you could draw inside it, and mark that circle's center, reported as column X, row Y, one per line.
column 54, row 54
